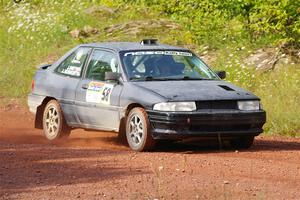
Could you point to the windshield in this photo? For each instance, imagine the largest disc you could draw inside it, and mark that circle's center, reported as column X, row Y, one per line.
column 165, row 65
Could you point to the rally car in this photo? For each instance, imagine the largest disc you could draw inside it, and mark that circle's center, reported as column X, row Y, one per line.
column 145, row 91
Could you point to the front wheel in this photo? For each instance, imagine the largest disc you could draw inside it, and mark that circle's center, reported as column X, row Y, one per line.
column 54, row 125
column 138, row 132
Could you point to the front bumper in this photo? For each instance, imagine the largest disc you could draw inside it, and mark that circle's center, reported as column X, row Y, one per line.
column 206, row 123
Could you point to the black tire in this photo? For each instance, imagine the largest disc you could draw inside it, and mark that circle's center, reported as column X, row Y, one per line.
column 54, row 125
column 138, row 131
column 243, row 142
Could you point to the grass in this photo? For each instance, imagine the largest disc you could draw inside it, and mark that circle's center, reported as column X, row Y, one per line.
column 38, row 32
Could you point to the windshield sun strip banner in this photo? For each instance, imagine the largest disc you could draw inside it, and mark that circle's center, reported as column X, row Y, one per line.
column 172, row 53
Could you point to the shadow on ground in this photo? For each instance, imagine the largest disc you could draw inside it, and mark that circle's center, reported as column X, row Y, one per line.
column 24, row 167
column 213, row 146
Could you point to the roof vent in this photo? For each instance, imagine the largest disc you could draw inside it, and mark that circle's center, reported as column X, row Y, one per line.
column 149, row 42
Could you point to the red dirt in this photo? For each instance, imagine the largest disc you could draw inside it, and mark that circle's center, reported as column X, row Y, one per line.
column 94, row 165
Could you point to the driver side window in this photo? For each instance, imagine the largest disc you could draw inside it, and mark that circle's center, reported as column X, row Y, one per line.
column 101, row 62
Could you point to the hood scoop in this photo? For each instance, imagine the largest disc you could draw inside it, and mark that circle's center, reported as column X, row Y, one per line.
column 225, row 87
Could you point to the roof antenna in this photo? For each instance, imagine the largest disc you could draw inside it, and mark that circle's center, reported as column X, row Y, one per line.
column 149, row 42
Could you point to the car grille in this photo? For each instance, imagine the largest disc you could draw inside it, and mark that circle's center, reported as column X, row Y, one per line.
column 215, row 128
column 223, row 104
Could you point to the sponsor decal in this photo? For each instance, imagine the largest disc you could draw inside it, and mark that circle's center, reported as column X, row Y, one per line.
column 72, row 70
column 98, row 92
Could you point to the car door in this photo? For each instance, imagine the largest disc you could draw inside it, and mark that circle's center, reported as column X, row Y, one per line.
column 97, row 101
column 62, row 83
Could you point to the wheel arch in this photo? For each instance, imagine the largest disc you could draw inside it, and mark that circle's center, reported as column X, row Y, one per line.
column 38, row 123
column 122, row 126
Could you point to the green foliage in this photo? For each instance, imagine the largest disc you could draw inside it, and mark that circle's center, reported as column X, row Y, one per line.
column 28, row 32
column 208, row 19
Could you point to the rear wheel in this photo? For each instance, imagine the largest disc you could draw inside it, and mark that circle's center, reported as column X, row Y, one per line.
column 243, row 142
column 54, row 125
column 138, row 132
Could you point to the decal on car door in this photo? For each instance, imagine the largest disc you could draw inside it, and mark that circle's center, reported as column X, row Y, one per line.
column 98, row 92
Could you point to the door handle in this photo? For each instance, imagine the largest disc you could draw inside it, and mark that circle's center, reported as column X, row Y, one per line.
column 84, row 86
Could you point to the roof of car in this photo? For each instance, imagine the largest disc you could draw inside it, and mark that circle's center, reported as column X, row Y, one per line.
column 125, row 46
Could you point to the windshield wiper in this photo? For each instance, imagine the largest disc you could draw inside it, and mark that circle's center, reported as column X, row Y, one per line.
column 195, row 78
column 149, row 78
column 188, row 78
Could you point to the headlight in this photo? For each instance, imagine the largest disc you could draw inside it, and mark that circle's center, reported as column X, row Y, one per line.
column 175, row 106
column 248, row 105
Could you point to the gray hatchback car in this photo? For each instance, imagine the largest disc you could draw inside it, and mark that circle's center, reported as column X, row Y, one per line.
column 145, row 91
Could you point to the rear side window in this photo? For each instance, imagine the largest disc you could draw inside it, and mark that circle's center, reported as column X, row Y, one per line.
column 101, row 62
column 73, row 64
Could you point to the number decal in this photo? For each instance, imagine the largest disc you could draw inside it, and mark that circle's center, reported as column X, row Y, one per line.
column 106, row 94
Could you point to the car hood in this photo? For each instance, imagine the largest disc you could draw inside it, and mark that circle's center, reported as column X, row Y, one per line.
column 200, row 90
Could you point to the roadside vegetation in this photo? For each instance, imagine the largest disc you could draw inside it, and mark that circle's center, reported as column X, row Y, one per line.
column 256, row 42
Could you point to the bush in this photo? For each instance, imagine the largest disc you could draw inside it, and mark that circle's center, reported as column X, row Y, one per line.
column 208, row 19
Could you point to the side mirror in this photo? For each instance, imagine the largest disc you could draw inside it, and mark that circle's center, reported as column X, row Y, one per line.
column 221, row 74
column 44, row 66
column 112, row 76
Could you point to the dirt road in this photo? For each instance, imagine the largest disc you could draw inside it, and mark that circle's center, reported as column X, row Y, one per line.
column 94, row 165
